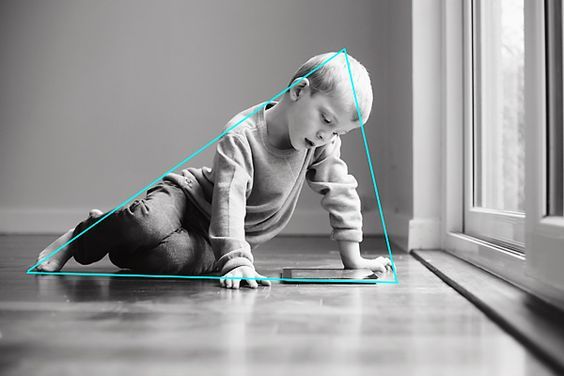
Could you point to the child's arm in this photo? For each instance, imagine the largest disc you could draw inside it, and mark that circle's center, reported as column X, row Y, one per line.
column 352, row 259
column 232, row 174
column 328, row 175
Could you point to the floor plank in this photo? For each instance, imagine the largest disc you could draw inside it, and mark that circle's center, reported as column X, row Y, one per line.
column 64, row 325
column 531, row 320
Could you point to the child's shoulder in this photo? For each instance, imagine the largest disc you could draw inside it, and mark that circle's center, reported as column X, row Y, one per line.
column 246, row 121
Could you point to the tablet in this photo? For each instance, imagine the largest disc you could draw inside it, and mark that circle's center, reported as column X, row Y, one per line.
column 317, row 275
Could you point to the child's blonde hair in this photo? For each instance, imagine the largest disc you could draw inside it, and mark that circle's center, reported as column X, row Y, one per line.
column 335, row 74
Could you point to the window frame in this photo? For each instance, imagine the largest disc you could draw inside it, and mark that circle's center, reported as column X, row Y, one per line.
column 498, row 226
column 457, row 114
column 555, row 154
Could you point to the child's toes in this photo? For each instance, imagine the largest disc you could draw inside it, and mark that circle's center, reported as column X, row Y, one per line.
column 95, row 213
column 48, row 266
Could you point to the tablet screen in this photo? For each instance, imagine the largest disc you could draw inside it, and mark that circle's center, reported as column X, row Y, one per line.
column 315, row 273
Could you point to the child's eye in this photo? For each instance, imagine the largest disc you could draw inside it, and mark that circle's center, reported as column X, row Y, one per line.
column 327, row 121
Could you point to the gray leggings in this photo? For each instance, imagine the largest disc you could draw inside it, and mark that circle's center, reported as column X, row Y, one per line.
column 162, row 233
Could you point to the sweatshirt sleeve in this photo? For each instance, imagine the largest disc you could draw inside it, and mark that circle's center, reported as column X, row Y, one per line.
column 232, row 169
column 328, row 175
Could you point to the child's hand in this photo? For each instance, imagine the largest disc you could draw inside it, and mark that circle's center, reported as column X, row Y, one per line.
column 379, row 265
column 242, row 272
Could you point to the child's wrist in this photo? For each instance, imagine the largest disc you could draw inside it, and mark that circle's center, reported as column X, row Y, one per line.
column 350, row 255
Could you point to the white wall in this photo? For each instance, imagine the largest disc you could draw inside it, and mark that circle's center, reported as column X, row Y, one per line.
column 397, row 168
column 427, row 83
column 98, row 98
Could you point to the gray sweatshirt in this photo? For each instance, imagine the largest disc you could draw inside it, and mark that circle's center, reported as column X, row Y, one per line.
column 249, row 195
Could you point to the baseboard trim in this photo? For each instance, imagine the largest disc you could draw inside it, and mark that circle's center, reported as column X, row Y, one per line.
column 424, row 233
column 39, row 221
column 304, row 222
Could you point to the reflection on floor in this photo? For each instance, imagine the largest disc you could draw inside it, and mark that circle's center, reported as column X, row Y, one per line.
column 66, row 325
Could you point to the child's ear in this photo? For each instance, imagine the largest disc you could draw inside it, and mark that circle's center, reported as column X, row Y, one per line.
column 301, row 86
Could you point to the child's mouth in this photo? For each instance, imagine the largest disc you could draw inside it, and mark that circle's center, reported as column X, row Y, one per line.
column 309, row 143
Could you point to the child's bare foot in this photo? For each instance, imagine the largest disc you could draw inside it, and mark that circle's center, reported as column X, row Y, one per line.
column 95, row 213
column 58, row 260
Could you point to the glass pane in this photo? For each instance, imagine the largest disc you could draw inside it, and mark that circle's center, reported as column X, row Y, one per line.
column 499, row 131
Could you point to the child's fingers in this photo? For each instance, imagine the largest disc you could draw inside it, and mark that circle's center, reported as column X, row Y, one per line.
column 252, row 283
column 233, row 280
column 379, row 268
column 236, row 283
column 386, row 261
column 263, row 282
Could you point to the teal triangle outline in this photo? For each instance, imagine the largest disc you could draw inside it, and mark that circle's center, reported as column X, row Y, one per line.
column 395, row 281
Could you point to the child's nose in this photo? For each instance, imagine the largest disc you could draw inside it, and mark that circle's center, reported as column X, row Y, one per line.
column 322, row 135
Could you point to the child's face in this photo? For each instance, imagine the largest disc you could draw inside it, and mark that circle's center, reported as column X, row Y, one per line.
column 314, row 121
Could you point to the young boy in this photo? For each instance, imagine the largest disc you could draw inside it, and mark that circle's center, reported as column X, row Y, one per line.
column 208, row 220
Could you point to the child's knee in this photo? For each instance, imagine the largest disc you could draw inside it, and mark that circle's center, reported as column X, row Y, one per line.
column 84, row 242
column 120, row 259
column 175, row 254
column 150, row 222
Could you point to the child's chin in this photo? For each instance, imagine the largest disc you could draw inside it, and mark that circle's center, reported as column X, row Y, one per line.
column 297, row 148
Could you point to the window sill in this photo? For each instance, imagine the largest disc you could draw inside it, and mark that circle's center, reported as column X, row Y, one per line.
column 503, row 262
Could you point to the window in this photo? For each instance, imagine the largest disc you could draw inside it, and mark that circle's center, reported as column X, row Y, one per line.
column 495, row 199
column 503, row 154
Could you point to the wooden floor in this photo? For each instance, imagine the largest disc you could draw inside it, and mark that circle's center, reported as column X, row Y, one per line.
column 56, row 325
